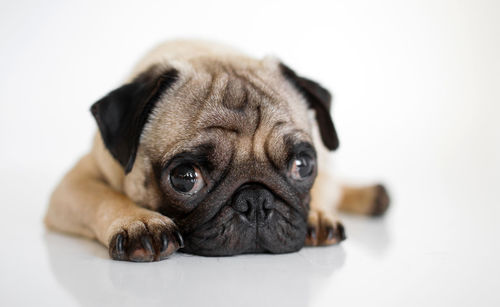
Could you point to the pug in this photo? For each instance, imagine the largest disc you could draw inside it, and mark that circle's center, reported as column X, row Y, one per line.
column 210, row 152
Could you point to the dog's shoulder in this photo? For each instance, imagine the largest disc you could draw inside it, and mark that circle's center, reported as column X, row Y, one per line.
column 111, row 171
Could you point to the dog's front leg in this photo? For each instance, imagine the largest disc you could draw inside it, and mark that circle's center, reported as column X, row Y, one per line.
column 324, row 226
column 85, row 204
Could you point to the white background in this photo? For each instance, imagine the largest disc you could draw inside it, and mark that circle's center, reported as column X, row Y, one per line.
column 417, row 104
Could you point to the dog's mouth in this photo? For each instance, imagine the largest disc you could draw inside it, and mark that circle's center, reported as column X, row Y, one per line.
column 254, row 220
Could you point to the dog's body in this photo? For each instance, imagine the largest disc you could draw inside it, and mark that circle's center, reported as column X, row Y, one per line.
column 211, row 151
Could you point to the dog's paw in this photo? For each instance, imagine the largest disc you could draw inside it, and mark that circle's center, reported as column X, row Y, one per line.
column 323, row 229
column 144, row 239
column 380, row 201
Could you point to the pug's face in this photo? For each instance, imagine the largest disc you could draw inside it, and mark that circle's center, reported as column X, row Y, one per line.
column 223, row 148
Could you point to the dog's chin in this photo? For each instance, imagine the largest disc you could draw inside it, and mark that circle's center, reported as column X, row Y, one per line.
column 230, row 233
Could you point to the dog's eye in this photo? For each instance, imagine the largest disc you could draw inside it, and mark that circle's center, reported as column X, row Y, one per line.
column 302, row 167
column 186, row 178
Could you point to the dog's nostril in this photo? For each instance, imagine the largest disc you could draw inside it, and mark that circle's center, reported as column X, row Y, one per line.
column 268, row 203
column 241, row 205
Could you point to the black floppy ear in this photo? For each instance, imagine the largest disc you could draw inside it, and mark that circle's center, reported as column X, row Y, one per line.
column 319, row 100
column 122, row 114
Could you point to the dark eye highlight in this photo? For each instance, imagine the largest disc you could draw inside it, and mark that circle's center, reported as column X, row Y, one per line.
column 302, row 166
column 186, row 179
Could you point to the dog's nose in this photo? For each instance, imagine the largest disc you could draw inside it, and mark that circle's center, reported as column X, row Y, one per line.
column 254, row 202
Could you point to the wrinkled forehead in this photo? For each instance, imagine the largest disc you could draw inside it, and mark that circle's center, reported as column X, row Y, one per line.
column 247, row 110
